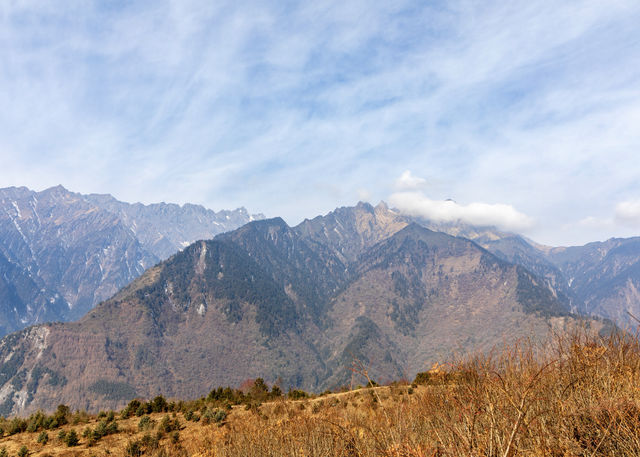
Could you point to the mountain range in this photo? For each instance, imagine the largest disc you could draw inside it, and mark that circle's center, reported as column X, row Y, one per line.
column 62, row 252
column 599, row 279
column 296, row 305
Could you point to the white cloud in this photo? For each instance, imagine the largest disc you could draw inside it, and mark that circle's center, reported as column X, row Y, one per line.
column 628, row 212
column 407, row 181
column 482, row 214
column 623, row 220
column 593, row 222
column 534, row 102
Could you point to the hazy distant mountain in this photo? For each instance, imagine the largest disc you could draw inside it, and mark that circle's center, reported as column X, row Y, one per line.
column 63, row 252
column 292, row 303
column 25, row 299
column 605, row 277
column 164, row 228
column 599, row 279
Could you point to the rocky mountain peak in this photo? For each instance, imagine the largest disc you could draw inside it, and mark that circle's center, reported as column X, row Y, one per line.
column 382, row 206
column 63, row 252
column 365, row 206
column 349, row 230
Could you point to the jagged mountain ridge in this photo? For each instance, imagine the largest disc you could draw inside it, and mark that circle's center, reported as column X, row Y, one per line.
column 349, row 230
column 605, row 277
column 599, row 279
column 513, row 248
column 63, row 252
column 282, row 303
column 164, row 228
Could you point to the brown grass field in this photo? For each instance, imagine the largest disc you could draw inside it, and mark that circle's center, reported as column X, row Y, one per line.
column 579, row 396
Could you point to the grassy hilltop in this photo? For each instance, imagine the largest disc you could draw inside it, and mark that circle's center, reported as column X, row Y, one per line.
column 577, row 397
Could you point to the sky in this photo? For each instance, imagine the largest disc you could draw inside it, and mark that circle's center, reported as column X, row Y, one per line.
column 524, row 114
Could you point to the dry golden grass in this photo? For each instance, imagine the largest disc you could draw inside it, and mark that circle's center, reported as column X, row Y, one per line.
column 577, row 397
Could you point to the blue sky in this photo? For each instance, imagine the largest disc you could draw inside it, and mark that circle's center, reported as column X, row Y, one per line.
column 525, row 113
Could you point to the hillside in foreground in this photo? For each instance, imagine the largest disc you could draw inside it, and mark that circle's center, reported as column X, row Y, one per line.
column 575, row 397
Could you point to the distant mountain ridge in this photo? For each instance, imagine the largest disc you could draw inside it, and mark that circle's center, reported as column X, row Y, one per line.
column 605, row 278
column 598, row 279
column 62, row 252
column 163, row 228
column 297, row 304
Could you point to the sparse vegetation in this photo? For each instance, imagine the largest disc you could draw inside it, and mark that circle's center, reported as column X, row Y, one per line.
column 576, row 397
column 134, row 449
column 145, row 423
column 296, row 394
column 71, row 439
column 216, row 415
column 43, row 437
column 168, row 425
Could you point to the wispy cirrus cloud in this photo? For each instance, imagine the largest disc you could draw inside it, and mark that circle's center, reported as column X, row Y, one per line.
column 534, row 103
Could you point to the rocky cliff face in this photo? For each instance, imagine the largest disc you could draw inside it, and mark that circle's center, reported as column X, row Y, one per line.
column 298, row 304
column 348, row 231
column 63, row 252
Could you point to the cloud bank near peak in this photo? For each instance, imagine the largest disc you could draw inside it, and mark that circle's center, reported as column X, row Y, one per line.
column 500, row 215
